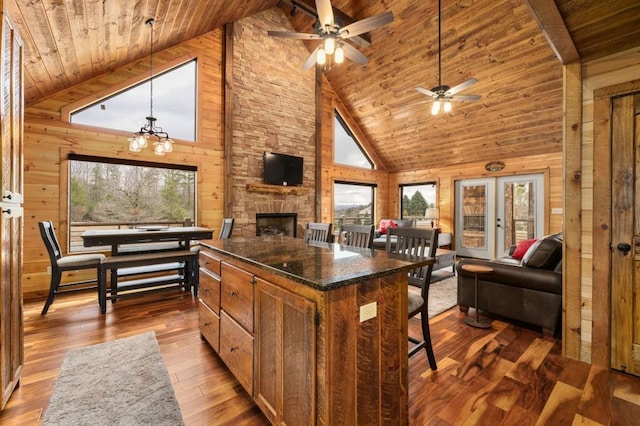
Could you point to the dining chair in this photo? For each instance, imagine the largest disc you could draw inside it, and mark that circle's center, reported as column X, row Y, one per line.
column 226, row 229
column 318, row 232
column 423, row 243
column 60, row 264
column 356, row 235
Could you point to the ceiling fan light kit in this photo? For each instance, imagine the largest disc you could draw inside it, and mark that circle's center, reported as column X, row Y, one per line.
column 443, row 95
column 332, row 34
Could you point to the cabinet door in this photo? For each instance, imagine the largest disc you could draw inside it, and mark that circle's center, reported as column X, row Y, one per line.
column 236, row 350
column 285, row 355
column 210, row 290
column 237, row 295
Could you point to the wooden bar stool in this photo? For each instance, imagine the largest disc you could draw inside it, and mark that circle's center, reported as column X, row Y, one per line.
column 477, row 269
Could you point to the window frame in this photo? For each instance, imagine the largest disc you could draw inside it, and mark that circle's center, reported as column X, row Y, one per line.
column 345, row 126
column 72, row 156
column 402, row 186
column 112, row 89
column 372, row 186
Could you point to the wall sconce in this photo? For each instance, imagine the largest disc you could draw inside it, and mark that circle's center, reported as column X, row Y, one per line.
column 494, row 166
column 432, row 214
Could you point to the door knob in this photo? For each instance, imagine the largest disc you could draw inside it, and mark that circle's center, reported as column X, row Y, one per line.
column 624, row 248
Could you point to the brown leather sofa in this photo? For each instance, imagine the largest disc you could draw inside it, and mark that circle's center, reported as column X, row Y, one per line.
column 527, row 290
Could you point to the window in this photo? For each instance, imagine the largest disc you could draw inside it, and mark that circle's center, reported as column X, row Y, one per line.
column 106, row 193
column 174, row 105
column 346, row 148
column 416, row 198
column 353, row 203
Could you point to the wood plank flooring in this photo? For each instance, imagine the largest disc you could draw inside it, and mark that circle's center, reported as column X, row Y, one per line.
column 505, row 375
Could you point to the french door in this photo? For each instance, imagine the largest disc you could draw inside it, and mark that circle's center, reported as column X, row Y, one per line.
column 492, row 214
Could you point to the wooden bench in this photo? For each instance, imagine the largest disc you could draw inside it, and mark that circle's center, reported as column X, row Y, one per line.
column 148, row 263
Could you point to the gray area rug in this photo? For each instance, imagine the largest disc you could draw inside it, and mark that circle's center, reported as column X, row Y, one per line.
column 121, row 382
column 443, row 294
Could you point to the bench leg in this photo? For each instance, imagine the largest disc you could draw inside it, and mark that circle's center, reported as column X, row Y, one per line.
column 114, row 285
column 102, row 290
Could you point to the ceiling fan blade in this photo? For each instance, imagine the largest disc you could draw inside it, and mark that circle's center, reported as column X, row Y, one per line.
column 325, row 13
column 365, row 25
column 465, row 98
column 426, row 92
column 354, row 54
column 462, row 86
column 311, row 60
column 299, row 36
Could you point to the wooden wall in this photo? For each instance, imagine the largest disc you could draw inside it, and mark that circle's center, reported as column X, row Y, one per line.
column 445, row 177
column 49, row 138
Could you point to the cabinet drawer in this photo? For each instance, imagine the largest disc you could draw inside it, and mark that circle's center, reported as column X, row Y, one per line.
column 210, row 289
column 237, row 295
column 209, row 325
column 236, row 350
column 207, row 261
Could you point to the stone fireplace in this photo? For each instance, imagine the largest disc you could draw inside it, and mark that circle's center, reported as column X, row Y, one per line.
column 277, row 224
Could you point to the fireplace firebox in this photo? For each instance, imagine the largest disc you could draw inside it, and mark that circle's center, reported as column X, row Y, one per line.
column 276, row 224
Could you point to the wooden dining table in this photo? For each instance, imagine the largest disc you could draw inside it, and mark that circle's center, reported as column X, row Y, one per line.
column 145, row 239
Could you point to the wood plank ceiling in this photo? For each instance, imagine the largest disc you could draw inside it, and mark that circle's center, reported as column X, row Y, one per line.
column 497, row 42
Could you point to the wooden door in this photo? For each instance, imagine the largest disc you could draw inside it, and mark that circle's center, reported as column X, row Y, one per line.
column 625, row 234
column 11, row 113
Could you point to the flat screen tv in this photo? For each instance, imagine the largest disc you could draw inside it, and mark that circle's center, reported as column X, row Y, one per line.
column 282, row 169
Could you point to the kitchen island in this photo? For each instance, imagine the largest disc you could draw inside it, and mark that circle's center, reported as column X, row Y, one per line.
column 316, row 333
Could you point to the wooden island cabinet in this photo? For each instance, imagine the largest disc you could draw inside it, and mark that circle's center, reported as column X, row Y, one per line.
column 316, row 334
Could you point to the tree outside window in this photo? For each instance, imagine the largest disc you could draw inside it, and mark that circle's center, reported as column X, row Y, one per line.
column 105, row 194
column 416, row 199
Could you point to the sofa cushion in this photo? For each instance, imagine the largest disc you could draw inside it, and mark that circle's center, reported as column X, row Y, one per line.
column 522, row 248
column 544, row 253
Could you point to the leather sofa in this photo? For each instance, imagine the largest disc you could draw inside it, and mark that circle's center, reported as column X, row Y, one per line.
column 527, row 290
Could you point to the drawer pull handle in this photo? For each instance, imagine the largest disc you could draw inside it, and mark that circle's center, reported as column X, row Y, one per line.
column 234, row 293
column 206, row 324
column 232, row 349
column 206, row 290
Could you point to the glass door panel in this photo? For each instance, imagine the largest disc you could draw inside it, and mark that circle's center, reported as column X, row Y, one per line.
column 475, row 217
column 520, row 210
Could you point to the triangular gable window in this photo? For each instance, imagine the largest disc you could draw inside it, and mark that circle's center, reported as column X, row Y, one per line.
column 174, row 105
column 346, row 148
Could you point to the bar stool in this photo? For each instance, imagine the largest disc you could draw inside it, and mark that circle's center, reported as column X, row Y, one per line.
column 477, row 269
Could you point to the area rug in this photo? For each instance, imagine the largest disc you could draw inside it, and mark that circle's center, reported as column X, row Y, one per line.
column 443, row 294
column 121, row 382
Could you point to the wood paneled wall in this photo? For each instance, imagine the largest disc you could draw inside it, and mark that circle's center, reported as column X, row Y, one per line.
column 49, row 138
column 597, row 74
column 445, row 177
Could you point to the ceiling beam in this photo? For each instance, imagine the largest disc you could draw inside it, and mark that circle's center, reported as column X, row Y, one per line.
column 548, row 17
column 308, row 7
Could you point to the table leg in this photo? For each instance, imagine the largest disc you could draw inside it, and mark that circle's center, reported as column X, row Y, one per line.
column 476, row 322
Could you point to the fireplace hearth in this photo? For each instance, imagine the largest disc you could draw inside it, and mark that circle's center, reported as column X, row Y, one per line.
column 276, row 224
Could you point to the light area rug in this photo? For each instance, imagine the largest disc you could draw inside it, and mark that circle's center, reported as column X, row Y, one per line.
column 443, row 294
column 121, row 382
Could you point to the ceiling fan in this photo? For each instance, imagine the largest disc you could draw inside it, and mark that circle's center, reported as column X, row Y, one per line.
column 332, row 33
column 443, row 94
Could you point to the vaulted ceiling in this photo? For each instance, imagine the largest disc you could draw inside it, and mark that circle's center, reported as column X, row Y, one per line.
column 498, row 42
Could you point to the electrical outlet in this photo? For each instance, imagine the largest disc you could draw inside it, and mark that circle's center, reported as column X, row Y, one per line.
column 368, row 311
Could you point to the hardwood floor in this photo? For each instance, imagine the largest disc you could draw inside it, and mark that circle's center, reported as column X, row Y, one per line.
column 501, row 376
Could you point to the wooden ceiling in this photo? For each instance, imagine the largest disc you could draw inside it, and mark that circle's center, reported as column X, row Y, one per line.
column 498, row 42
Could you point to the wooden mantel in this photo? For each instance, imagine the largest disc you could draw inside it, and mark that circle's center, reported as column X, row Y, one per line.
column 278, row 189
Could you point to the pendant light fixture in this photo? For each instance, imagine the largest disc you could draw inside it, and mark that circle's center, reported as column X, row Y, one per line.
column 140, row 139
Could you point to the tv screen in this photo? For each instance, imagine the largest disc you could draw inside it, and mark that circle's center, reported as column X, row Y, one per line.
column 282, row 169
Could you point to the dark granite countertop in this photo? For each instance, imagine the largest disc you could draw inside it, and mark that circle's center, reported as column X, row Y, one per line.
column 322, row 266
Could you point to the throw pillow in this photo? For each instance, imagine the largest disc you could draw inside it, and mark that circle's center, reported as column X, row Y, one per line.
column 522, row 248
column 544, row 253
column 386, row 224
